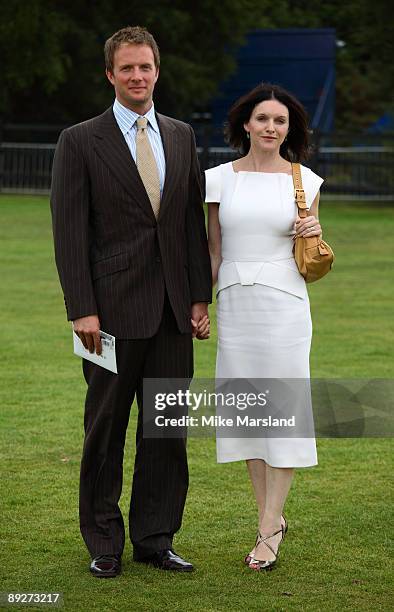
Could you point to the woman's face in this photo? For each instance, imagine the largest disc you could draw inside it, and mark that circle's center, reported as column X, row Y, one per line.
column 268, row 125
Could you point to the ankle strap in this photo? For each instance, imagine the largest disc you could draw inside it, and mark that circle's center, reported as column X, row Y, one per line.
column 270, row 536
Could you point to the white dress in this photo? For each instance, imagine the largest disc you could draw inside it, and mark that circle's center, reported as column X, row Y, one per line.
column 263, row 314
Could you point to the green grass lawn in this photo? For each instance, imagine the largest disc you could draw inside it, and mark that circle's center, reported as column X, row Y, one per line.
column 336, row 553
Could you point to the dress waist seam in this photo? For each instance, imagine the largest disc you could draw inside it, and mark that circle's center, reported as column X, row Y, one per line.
column 248, row 260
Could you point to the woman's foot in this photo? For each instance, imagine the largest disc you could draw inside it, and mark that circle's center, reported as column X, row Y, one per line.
column 250, row 556
column 267, row 549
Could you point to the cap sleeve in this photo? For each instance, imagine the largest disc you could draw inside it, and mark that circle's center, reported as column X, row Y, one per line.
column 311, row 183
column 213, row 180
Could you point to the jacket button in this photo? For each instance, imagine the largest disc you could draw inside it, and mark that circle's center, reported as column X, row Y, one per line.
column 158, row 259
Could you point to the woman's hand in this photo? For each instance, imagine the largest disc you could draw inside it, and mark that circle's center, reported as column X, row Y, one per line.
column 307, row 227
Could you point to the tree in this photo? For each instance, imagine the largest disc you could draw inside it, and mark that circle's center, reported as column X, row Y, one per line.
column 63, row 45
column 31, row 49
column 53, row 67
column 365, row 68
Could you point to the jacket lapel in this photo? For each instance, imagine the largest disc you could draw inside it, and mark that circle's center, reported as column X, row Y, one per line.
column 111, row 147
column 169, row 136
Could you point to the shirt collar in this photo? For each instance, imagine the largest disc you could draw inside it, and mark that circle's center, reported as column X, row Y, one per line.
column 126, row 118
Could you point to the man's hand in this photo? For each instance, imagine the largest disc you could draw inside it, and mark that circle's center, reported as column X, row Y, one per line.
column 87, row 330
column 200, row 320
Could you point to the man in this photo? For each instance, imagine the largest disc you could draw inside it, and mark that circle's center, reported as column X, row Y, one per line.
column 132, row 256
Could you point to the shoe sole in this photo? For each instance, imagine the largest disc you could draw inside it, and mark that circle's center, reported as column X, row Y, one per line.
column 174, row 569
column 270, row 568
column 109, row 575
column 166, row 569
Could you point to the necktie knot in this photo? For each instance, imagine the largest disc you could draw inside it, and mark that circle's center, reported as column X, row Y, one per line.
column 142, row 123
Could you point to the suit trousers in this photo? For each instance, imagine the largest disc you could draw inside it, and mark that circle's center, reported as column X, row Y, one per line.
column 160, row 479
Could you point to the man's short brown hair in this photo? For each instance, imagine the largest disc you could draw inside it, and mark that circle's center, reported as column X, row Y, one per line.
column 135, row 35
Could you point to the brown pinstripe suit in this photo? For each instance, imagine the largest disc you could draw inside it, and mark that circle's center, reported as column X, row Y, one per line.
column 140, row 276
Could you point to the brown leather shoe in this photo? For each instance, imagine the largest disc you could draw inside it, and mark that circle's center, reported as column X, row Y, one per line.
column 106, row 566
column 168, row 560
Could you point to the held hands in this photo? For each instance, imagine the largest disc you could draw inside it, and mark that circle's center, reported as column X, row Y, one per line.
column 87, row 330
column 307, row 227
column 203, row 328
column 200, row 321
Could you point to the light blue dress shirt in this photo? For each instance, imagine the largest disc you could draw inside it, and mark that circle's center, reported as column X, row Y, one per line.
column 127, row 122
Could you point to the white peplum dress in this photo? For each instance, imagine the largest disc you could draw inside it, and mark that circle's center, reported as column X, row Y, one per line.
column 263, row 313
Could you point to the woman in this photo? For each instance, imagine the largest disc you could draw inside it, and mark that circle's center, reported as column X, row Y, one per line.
column 263, row 314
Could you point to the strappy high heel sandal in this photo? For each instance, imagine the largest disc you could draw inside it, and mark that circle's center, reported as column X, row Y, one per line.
column 262, row 564
column 249, row 557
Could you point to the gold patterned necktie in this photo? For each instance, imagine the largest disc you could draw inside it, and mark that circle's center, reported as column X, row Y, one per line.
column 147, row 166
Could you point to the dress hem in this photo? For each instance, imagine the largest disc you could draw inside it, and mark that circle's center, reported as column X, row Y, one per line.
column 232, row 460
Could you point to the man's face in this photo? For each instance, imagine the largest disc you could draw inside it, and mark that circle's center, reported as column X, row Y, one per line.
column 134, row 76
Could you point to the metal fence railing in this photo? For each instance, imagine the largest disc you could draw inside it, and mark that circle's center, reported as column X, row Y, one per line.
column 350, row 172
column 26, row 167
column 360, row 172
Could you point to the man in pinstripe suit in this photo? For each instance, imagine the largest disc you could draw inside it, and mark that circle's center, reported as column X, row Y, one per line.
column 142, row 275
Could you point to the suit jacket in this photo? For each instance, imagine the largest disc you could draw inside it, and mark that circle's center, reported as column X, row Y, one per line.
column 114, row 259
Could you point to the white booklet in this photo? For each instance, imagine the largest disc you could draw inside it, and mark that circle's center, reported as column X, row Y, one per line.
column 107, row 359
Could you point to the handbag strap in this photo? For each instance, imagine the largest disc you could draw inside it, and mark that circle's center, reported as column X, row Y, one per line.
column 299, row 192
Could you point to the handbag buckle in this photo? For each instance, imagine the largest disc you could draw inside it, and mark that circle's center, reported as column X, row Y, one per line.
column 300, row 195
column 300, row 198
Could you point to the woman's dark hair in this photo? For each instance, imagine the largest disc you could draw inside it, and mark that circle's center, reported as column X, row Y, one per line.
column 295, row 148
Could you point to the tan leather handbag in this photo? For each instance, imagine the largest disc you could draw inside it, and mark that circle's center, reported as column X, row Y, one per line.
column 313, row 256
